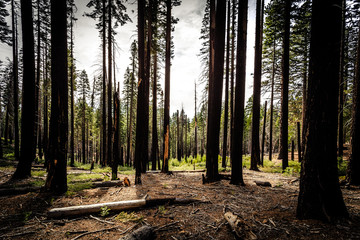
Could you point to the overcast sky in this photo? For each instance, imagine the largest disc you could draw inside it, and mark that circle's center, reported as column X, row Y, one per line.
column 185, row 65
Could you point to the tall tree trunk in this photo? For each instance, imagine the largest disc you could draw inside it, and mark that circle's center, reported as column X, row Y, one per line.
column 140, row 144
column 299, row 142
column 104, row 149
column 56, row 179
column 38, row 66
column 272, row 102
column 284, row 110
column 72, row 133
column 129, row 140
column 154, row 145
column 166, row 142
column 27, row 155
column 6, row 130
column 237, row 134
column 255, row 141
column 353, row 175
column 341, row 83
column 232, row 70
column 304, row 94
column 1, row 146
column 46, row 128
column 320, row 195
column 15, row 80
column 216, row 69
column 226, row 115
column 109, row 89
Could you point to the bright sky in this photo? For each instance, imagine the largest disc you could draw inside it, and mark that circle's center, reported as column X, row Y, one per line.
column 185, row 65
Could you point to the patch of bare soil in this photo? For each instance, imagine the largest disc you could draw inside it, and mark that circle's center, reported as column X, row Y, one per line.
column 268, row 212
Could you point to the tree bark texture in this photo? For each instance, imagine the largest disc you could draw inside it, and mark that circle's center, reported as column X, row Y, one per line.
column 320, row 196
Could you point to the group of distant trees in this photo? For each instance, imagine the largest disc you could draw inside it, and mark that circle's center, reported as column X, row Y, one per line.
column 307, row 61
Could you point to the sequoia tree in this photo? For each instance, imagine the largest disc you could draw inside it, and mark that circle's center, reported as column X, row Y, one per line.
column 320, row 195
column 27, row 152
column 56, row 179
column 216, row 69
column 237, row 134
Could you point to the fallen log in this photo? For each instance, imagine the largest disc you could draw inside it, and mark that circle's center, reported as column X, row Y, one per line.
column 143, row 233
column 262, row 183
column 16, row 191
column 239, row 226
column 115, row 206
column 178, row 171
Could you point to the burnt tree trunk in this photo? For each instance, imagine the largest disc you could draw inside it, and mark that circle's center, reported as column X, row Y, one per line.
column 27, row 155
column 109, row 89
column 216, row 69
column 320, row 195
column 140, row 144
column 103, row 122
column 15, row 80
column 272, row 102
column 255, row 142
column 154, row 144
column 226, row 114
column 237, row 134
column 56, row 179
column 117, row 158
column 72, row 133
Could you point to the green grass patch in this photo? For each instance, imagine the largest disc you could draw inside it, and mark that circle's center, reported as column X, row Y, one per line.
column 40, row 173
column 76, row 187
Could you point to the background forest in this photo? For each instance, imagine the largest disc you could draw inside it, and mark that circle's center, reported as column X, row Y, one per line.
column 302, row 118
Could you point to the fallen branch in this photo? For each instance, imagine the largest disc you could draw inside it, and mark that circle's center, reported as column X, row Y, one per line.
column 143, row 233
column 116, row 206
column 106, row 184
column 17, row 234
column 239, row 226
column 166, row 225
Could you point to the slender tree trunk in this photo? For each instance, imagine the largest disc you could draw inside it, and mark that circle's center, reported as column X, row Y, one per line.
column 341, row 83
column 353, row 175
column 1, row 147
column 284, row 114
column 129, row 140
column 15, row 80
column 155, row 144
column 178, row 136
column 166, row 142
column 237, row 135
column 23, row 169
column 255, row 142
column 83, row 142
column 56, row 179
column 226, row 115
column 320, row 195
column 46, row 128
column 195, row 128
column 263, row 136
column 38, row 66
column 304, row 93
column 272, row 102
column 232, row 71
column 216, row 69
column 104, row 148
column 140, row 144
column 72, row 160
column 109, row 89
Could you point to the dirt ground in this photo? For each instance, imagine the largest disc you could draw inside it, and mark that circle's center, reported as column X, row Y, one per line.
column 267, row 212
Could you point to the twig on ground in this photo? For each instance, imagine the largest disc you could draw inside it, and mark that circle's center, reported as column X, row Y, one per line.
column 100, row 220
column 167, row 225
column 17, row 234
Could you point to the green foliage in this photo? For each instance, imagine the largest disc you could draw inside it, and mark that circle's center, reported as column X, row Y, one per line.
column 129, row 217
column 162, row 210
column 27, row 216
column 104, row 211
column 76, row 187
column 82, row 176
column 38, row 173
column 342, row 167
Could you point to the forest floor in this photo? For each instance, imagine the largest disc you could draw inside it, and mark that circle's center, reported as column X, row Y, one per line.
column 267, row 212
